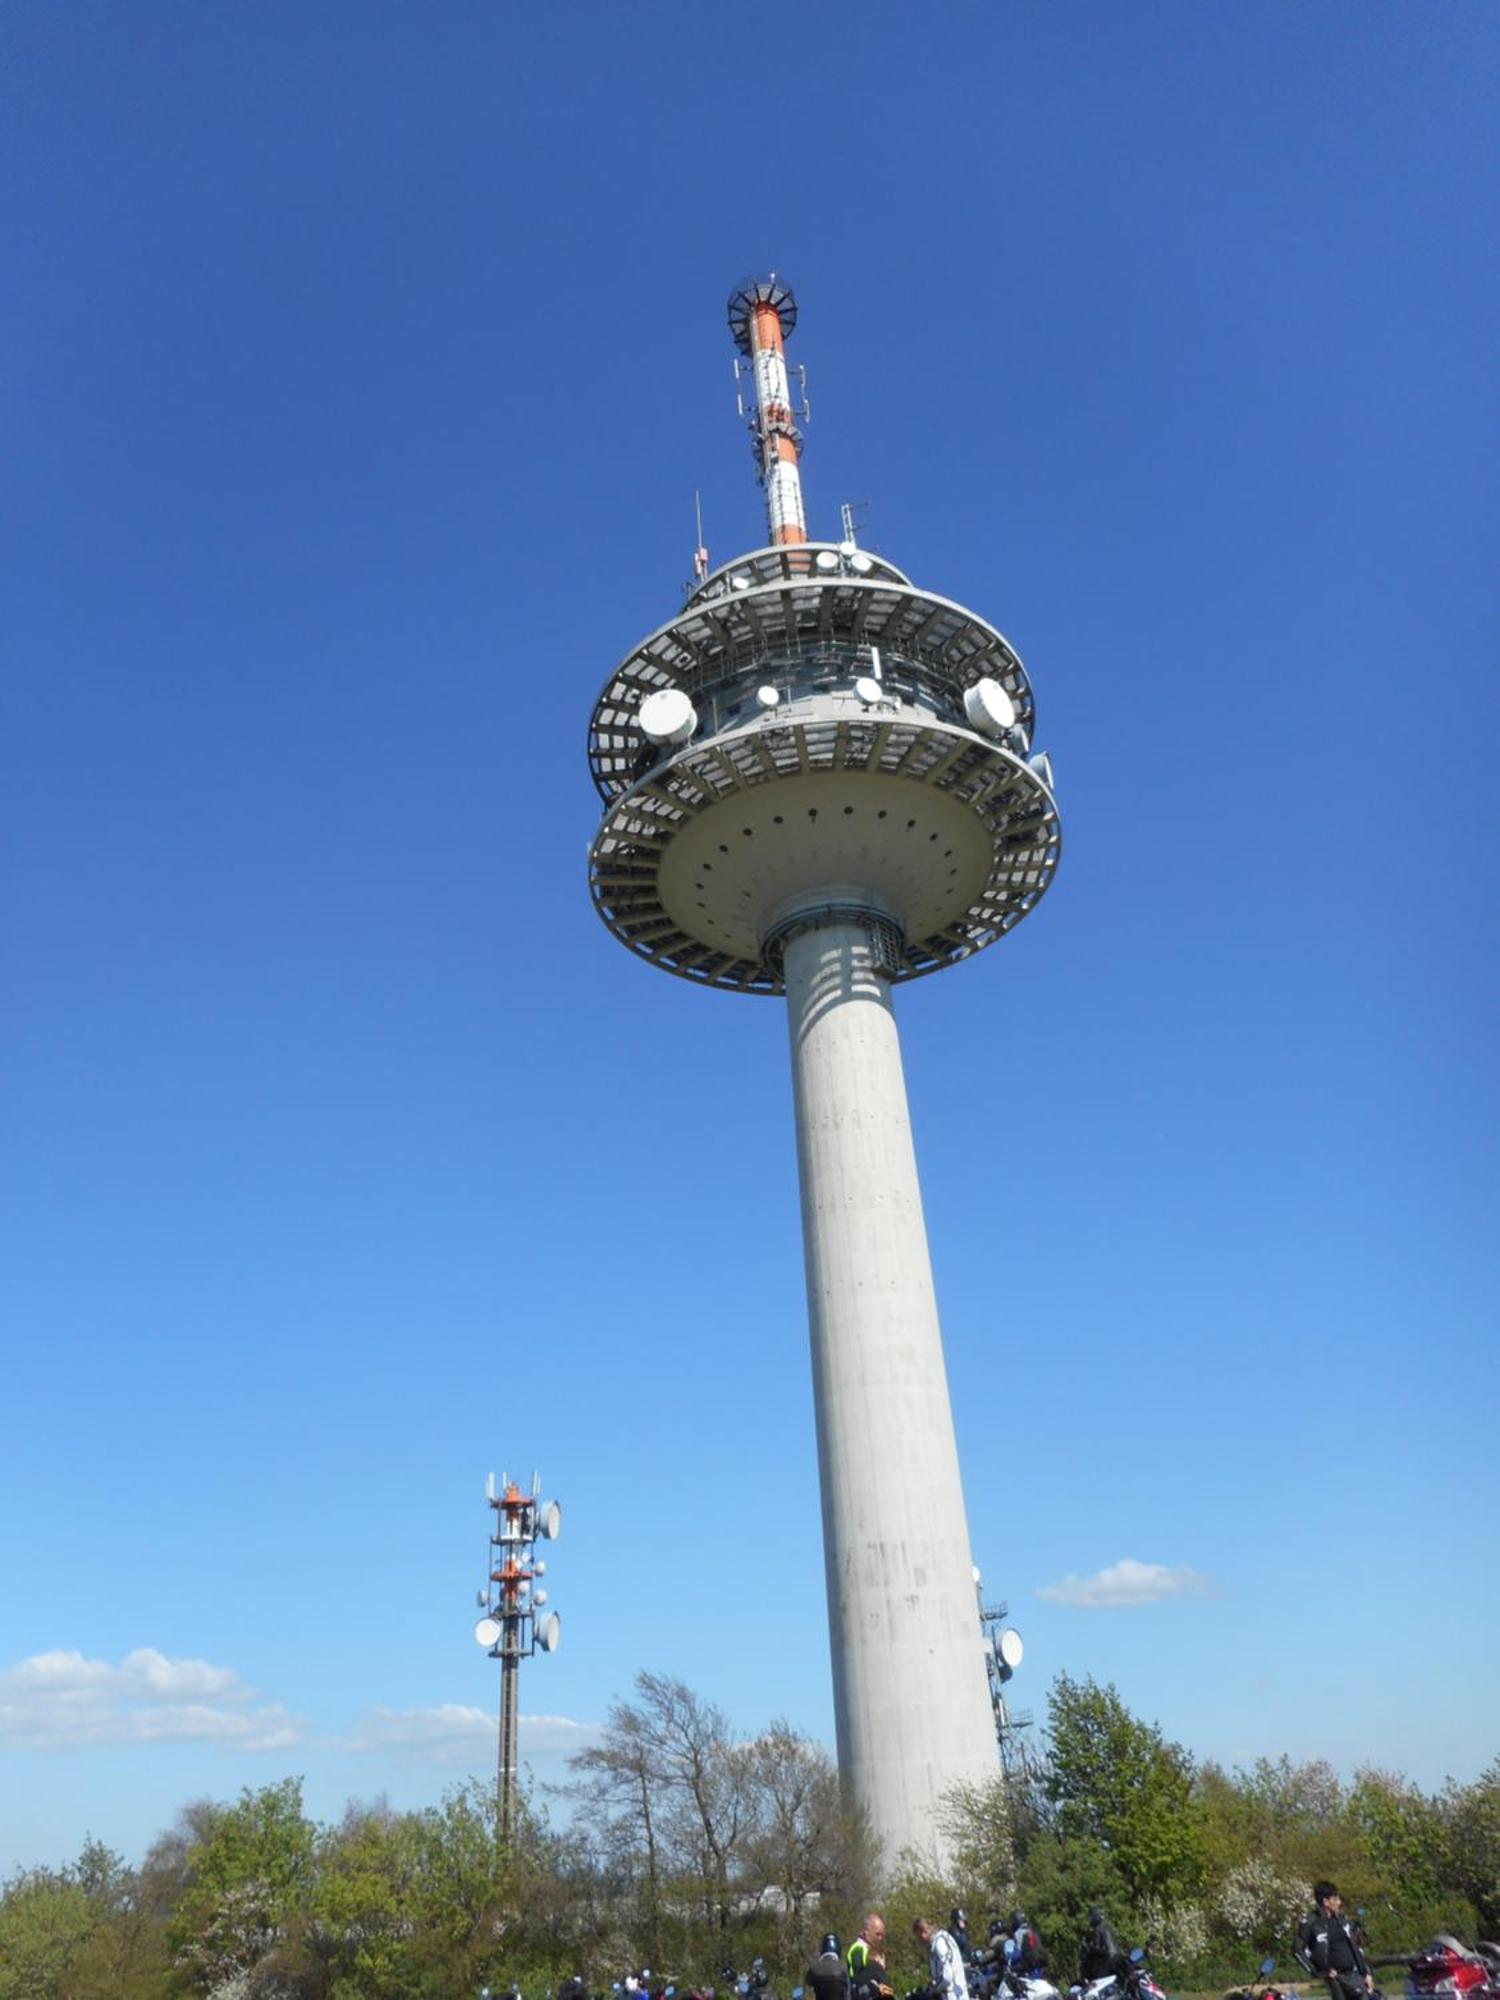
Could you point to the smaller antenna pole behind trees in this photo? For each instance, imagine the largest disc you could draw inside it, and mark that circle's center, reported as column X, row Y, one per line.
column 514, row 1623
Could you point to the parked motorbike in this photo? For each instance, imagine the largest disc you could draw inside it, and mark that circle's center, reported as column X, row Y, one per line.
column 1263, row 1987
column 1133, row 1983
column 1447, row 1967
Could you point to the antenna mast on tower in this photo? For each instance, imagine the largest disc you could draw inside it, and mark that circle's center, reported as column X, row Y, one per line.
column 762, row 312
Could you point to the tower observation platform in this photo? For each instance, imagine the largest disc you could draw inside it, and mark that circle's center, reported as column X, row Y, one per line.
column 820, row 780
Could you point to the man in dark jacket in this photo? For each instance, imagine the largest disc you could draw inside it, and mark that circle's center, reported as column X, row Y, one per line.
column 828, row 1976
column 1102, row 1956
column 1332, row 1949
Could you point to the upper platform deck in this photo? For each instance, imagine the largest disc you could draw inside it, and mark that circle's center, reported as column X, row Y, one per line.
column 786, row 613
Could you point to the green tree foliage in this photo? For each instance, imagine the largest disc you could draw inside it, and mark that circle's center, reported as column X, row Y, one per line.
column 1472, row 1817
column 45, row 1920
column 247, row 1872
column 1117, row 1783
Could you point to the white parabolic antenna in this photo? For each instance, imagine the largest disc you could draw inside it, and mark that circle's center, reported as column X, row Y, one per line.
column 1009, row 1646
column 989, row 707
column 487, row 1632
column 667, row 716
column 549, row 1521
column 548, row 1632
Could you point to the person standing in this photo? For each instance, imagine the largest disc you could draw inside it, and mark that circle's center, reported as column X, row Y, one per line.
column 828, row 1975
column 1102, row 1956
column 945, row 1961
column 1332, row 1948
column 866, row 1956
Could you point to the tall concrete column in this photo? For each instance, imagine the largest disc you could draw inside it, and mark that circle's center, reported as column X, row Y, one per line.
column 911, row 1698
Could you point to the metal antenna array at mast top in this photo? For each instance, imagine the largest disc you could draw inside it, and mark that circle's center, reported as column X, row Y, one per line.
column 762, row 312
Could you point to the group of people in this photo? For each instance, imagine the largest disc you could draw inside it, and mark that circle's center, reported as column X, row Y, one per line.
column 860, row 1972
column 1327, row 1943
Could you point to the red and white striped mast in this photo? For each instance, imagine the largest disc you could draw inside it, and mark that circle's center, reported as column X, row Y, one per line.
column 762, row 312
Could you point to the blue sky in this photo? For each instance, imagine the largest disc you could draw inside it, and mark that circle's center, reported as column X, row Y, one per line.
column 360, row 366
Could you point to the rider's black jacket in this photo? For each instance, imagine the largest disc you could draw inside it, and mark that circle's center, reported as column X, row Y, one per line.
column 1101, row 1954
column 828, row 1977
column 1330, row 1944
column 1029, row 1960
column 871, row 1979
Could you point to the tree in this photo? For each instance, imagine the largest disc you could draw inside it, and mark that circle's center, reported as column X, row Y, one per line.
column 977, row 1820
column 247, row 1871
column 618, row 1780
column 1472, row 1817
column 677, row 1757
column 45, row 1920
column 1116, row 1781
column 805, row 1840
column 362, row 1901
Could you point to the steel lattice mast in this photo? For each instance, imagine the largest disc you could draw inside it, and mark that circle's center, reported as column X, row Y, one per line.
column 819, row 781
column 513, row 1625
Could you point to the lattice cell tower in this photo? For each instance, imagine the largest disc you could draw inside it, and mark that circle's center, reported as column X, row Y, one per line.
column 819, row 781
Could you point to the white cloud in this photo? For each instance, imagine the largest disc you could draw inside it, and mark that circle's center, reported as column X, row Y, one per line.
column 1127, row 1582
column 451, row 1732
column 55, row 1700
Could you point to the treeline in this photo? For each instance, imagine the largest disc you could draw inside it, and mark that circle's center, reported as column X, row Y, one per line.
column 682, row 1845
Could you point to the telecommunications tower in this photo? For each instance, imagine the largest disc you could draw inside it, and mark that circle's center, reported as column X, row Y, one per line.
column 514, row 1622
column 819, row 780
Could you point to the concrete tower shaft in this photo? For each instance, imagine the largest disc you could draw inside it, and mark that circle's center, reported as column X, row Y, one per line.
column 819, row 780
column 911, row 1700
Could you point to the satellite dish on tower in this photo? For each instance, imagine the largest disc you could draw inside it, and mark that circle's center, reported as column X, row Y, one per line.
column 988, row 707
column 549, row 1521
column 667, row 716
column 1008, row 1646
column 548, row 1632
column 487, row 1632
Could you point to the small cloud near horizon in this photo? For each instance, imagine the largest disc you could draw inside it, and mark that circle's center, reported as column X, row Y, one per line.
column 61, row 1700
column 1125, row 1583
column 453, row 1732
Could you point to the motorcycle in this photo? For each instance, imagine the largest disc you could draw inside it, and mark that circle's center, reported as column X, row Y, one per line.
column 992, row 1974
column 1133, row 1983
column 1446, row 1967
column 1263, row 1987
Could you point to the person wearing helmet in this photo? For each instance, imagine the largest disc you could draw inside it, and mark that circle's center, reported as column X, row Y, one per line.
column 1102, row 1956
column 958, row 1930
column 1026, row 1959
column 828, row 1976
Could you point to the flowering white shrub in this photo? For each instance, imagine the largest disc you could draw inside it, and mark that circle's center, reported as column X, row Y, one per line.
column 1177, row 1931
column 1254, row 1901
